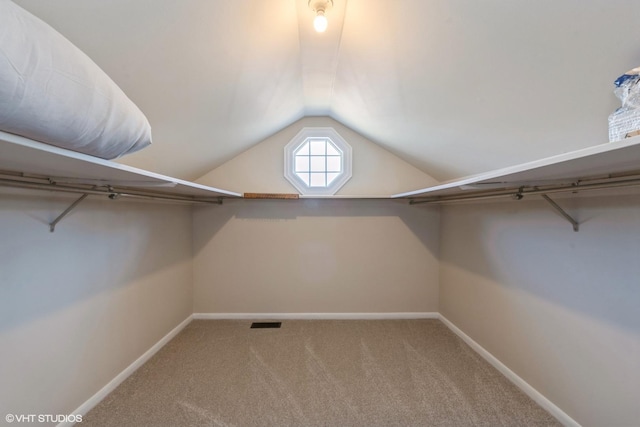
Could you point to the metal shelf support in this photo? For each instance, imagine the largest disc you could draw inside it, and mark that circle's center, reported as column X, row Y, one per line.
column 52, row 225
column 554, row 205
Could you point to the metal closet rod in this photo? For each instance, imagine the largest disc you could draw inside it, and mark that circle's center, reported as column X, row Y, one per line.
column 113, row 192
column 515, row 192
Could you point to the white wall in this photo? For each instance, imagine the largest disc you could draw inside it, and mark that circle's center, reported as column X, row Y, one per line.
column 315, row 256
column 559, row 308
column 376, row 172
column 79, row 305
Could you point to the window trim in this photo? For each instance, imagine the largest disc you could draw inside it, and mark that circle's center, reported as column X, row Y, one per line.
column 315, row 133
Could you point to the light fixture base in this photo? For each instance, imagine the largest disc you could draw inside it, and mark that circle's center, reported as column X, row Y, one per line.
column 320, row 5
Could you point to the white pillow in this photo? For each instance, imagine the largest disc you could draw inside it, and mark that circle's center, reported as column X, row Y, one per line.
column 52, row 92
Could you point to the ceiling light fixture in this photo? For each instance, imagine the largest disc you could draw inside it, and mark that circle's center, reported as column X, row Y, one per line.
column 320, row 7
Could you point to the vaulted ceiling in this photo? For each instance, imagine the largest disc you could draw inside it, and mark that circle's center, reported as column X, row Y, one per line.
column 452, row 86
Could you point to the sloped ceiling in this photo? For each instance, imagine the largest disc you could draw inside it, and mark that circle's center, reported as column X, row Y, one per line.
column 452, row 86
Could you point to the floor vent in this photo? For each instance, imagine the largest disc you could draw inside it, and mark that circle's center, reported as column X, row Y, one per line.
column 262, row 325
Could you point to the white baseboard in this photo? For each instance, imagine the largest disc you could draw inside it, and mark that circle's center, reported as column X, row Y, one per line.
column 534, row 394
column 314, row 316
column 104, row 391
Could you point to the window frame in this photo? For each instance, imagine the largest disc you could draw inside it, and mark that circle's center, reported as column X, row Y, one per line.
column 298, row 141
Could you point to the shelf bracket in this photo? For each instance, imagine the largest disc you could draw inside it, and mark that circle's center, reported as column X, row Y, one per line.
column 554, row 205
column 52, row 225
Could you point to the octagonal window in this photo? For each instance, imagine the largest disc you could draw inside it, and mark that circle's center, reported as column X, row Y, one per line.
column 317, row 161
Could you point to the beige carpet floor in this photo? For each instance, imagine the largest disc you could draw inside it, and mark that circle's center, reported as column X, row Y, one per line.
column 317, row 373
